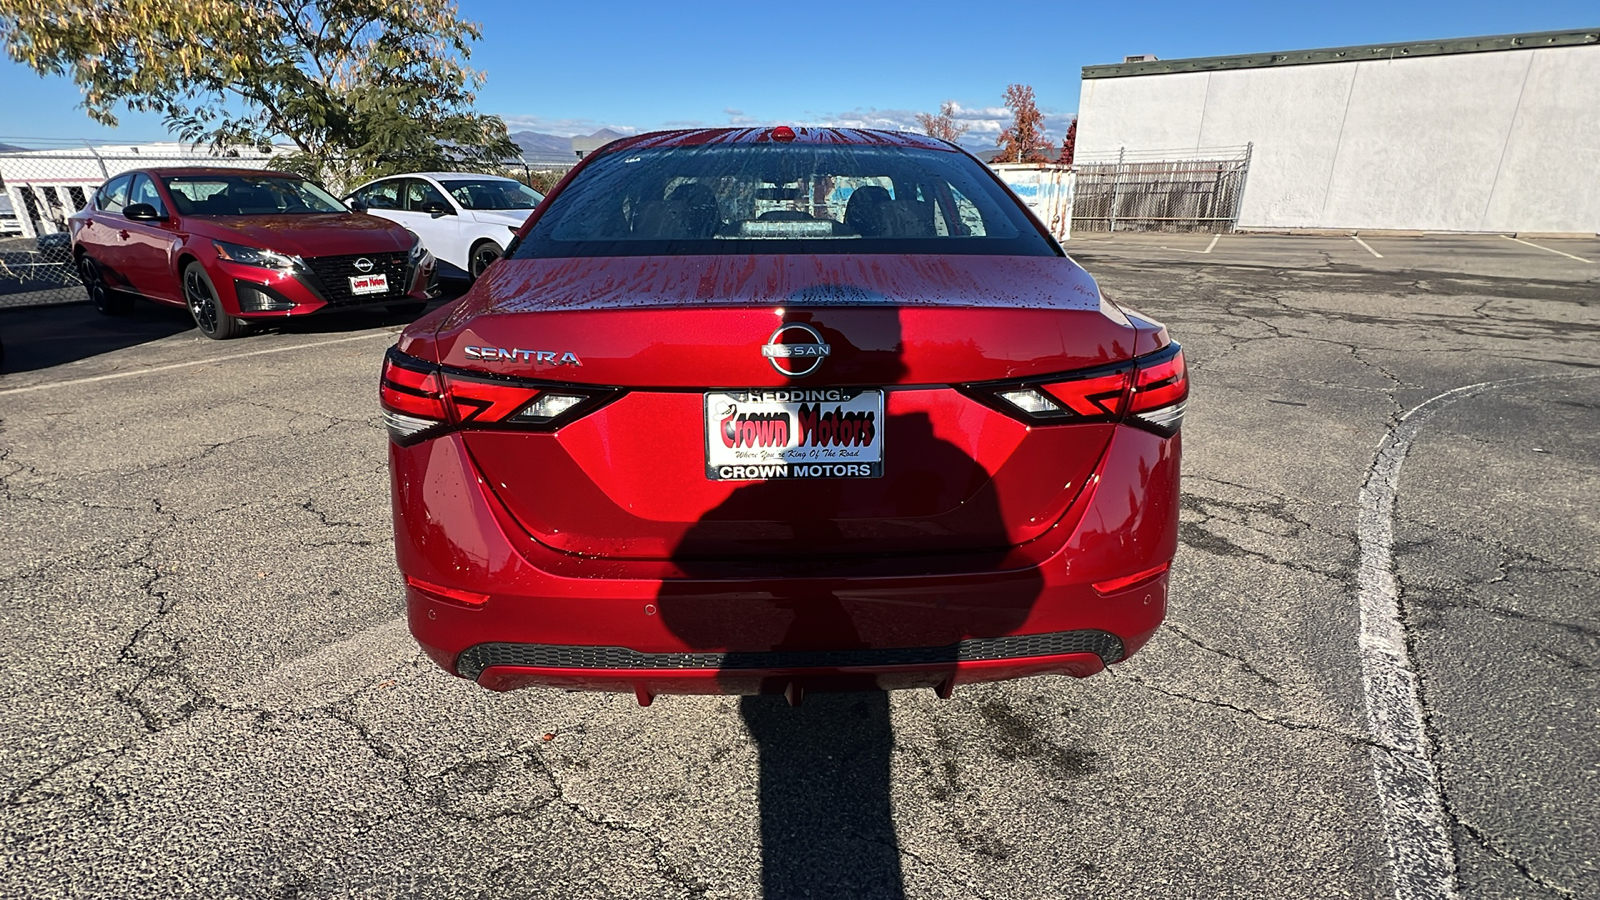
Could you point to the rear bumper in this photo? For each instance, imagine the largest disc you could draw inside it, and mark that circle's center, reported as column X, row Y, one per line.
column 514, row 613
column 509, row 666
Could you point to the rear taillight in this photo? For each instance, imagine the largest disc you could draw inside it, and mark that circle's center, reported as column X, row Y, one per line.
column 1161, row 389
column 1149, row 392
column 421, row 400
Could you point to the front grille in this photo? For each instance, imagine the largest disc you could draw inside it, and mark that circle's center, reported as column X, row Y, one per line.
column 475, row 659
column 331, row 276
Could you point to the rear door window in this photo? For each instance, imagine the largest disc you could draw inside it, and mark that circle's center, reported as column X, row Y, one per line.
column 420, row 195
column 383, row 195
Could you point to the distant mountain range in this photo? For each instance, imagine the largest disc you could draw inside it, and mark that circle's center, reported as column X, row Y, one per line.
column 10, row 148
column 538, row 147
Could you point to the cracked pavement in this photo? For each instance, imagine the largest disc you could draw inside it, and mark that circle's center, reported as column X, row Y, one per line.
column 210, row 690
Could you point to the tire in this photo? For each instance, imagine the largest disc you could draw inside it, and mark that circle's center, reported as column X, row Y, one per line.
column 408, row 309
column 200, row 295
column 107, row 301
column 482, row 256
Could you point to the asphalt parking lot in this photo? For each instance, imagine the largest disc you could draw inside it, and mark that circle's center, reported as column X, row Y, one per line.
column 210, row 691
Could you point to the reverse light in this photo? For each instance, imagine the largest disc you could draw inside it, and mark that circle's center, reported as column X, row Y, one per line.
column 548, row 406
column 255, row 256
column 1030, row 401
column 421, row 400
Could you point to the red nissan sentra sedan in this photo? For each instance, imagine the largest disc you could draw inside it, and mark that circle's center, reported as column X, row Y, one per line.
column 782, row 410
column 238, row 246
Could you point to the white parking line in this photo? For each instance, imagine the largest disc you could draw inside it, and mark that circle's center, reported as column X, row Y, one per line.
column 1547, row 249
column 1365, row 247
column 193, row 362
column 1214, row 239
column 1403, row 768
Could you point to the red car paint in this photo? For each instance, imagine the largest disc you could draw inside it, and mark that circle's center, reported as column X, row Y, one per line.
column 594, row 551
column 148, row 257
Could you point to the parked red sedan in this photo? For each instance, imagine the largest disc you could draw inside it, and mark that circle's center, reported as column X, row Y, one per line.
column 240, row 245
column 782, row 410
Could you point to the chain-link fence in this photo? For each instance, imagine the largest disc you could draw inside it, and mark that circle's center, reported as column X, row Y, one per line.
column 1160, row 190
column 42, row 188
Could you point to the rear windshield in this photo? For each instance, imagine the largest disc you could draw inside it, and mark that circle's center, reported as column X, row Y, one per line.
column 248, row 195
column 782, row 198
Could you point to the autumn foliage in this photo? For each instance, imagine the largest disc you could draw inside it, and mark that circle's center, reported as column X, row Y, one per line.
column 1024, row 141
column 1069, row 143
column 944, row 125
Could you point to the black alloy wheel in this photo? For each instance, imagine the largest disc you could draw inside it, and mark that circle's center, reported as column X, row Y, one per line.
column 201, row 297
column 484, row 255
column 105, row 300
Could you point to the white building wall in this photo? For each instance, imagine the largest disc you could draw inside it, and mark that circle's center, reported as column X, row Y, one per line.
column 1491, row 141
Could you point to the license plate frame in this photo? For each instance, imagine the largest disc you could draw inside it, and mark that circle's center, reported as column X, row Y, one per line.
column 787, row 434
column 364, row 285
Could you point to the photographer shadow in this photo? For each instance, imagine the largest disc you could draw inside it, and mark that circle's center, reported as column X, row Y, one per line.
column 825, row 786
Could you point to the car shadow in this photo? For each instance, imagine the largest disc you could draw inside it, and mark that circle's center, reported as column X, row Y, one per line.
column 41, row 337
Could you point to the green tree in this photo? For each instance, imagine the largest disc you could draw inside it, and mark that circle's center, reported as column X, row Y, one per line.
column 1024, row 141
column 359, row 87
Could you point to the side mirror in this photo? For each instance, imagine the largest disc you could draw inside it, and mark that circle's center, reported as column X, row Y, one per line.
column 437, row 209
column 142, row 212
column 355, row 205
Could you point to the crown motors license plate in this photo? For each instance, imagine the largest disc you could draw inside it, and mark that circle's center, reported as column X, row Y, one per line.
column 776, row 433
column 369, row 284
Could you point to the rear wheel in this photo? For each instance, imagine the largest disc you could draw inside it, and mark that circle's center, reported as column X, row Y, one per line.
column 483, row 255
column 201, row 297
column 107, row 301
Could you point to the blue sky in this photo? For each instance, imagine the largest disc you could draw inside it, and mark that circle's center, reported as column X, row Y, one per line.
column 573, row 67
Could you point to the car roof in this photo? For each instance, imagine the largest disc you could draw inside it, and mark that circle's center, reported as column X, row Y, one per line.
column 167, row 172
column 438, row 175
column 866, row 137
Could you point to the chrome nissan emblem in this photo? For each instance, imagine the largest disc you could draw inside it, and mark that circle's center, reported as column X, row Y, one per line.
column 363, row 265
column 801, row 357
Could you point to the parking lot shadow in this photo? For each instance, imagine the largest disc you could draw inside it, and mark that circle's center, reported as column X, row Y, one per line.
column 41, row 337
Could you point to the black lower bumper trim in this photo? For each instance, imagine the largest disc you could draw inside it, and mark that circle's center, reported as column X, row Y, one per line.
column 475, row 659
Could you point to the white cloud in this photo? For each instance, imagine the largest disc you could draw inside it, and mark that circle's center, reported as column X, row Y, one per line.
column 984, row 123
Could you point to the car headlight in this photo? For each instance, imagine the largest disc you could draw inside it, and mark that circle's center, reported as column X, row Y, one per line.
column 255, row 256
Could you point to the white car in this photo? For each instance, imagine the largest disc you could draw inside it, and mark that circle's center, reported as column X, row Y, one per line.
column 465, row 220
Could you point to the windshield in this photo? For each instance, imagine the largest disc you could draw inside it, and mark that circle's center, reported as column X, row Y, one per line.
column 492, row 193
column 248, row 195
column 783, row 198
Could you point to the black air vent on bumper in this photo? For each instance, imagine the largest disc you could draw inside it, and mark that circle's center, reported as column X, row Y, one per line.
column 473, row 660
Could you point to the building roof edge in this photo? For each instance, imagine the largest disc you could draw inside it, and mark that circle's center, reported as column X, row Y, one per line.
column 1533, row 40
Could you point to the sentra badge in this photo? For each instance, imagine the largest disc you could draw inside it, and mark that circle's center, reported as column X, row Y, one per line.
column 517, row 354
